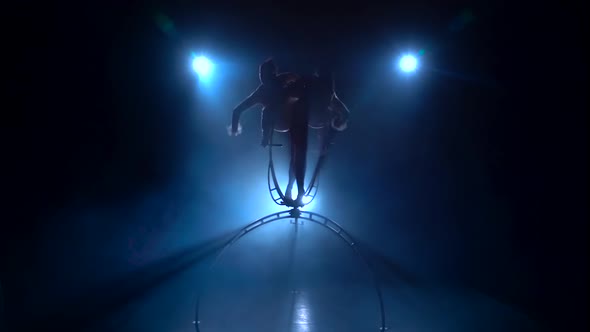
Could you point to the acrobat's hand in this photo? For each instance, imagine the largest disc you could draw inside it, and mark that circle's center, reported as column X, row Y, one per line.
column 234, row 130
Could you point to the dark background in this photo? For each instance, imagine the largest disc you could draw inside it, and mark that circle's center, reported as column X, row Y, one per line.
column 472, row 172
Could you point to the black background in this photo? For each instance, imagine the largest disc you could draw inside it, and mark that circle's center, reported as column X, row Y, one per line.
column 498, row 130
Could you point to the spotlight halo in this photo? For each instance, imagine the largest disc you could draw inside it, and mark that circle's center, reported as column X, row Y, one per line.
column 408, row 63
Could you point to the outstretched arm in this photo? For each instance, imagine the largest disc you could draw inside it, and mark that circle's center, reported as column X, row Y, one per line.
column 250, row 101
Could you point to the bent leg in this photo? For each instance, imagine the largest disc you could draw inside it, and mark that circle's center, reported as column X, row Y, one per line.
column 299, row 130
column 267, row 126
column 289, row 190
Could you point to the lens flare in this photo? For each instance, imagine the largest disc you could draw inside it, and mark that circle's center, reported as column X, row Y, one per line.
column 408, row 63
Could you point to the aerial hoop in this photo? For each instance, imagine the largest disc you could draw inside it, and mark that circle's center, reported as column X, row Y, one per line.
column 296, row 214
column 274, row 188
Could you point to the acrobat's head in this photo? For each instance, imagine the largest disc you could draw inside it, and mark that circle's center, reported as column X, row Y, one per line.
column 267, row 71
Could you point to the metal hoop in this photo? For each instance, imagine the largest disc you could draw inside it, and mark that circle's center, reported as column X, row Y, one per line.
column 273, row 183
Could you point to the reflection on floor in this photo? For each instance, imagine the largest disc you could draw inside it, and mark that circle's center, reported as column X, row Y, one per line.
column 299, row 310
column 295, row 279
column 299, row 278
column 290, row 277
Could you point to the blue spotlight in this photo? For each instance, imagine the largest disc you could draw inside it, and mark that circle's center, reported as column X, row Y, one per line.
column 203, row 67
column 307, row 200
column 408, row 63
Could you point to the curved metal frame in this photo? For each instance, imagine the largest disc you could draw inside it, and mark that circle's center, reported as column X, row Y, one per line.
column 273, row 183
column 309, row 216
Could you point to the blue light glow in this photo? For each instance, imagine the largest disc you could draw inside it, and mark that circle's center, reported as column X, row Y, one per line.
column 203, row 67
column 408, row 63
column 307, row 200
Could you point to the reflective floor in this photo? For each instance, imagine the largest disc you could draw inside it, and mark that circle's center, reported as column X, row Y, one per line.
column 296, row 278
column 295, row 311
column 290, row 278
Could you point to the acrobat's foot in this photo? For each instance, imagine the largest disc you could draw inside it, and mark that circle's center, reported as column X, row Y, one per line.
column 299, row 200
column 288, row 201
column 295, row 203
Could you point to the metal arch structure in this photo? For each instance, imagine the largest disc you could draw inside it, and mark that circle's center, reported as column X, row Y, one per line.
column 274, row 187
column 316, row 218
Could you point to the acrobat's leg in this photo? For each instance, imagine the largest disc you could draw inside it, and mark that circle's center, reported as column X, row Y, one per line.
column 299, row 130
column 289, row 190
column 267, row 126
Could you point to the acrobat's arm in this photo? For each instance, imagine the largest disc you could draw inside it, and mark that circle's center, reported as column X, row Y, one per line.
column 340, row 113
column 250, row 101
